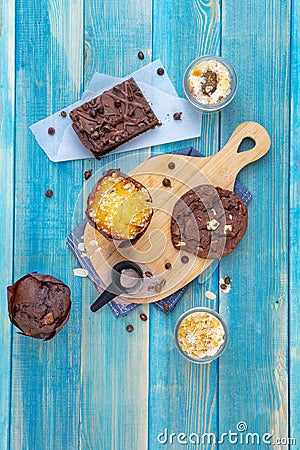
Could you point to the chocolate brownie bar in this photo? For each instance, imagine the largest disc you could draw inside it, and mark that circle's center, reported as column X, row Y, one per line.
column 208, row 222
column 39, row 305
column 113, row 118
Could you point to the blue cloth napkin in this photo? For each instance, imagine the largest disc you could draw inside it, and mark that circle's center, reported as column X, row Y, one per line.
column 166, row 305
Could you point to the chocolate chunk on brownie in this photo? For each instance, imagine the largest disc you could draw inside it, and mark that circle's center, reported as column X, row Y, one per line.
column 39, row 305
column 113, row 118
column 208, row 222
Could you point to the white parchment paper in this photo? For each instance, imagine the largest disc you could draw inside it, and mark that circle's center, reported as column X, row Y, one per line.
column 64, row 145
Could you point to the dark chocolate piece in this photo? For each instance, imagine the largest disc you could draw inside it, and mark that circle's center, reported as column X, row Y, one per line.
column 177, row 116
column 51, row 131
column 208, row 222
column 113, row 118
column 49, row 193
column 141, row 55
column 88, row 174
column 166, row 182
column 63, row 114
column 129, row 328
column 39, row 305
column 143, row 317
column 185, row 259
column 168, row 266
column 160, row 71
column 227, row 280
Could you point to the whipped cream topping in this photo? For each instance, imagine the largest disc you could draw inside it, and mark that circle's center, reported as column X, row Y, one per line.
column 209, row 82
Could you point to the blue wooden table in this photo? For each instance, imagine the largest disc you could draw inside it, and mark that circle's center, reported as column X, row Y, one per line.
column 95, row 386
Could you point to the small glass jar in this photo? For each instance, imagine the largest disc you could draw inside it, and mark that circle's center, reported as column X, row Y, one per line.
column 222, row 347
column 210, row 107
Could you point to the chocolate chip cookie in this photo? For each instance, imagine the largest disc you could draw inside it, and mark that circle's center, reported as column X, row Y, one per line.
column 208, row 221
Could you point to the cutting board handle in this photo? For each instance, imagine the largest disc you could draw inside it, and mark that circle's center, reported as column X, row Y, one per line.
column 251, row 130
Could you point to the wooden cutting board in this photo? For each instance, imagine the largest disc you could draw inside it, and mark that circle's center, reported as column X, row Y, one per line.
column 154, row 249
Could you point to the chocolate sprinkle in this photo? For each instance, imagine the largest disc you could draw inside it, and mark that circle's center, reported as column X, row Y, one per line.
column 63, row 114
column 49, row 193
column 129, row 328
column 141, row 55
column 51, row 131
column 166, row 307
column 223, row 286
column 148, row 274
column 171, row 165
column 185, row 259
column 168, row 266
column 160, row 71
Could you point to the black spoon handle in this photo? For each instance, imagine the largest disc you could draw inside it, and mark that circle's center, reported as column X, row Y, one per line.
column 104, row 298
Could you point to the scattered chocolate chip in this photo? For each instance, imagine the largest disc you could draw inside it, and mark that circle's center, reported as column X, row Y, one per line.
column 88, row 174
column 177, row 116
column 171, row 165
column 223, row 286
column 141, row 55
column 129, row 328
column 49, row 193
column 185, row 259
column 166, row 182
column 160, row 71
column 63, row 114
column 143, row 317
column 166, row 307
column 93, row 113
column 51, row 131
column 148, row 274
column 227, row 281
column 168, row 266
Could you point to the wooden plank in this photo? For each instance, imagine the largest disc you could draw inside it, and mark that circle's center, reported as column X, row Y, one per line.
column 183, row 397
column 7, row 124
column 294, row 215
column 114, row 376
column 46, row 375
column 253, row 371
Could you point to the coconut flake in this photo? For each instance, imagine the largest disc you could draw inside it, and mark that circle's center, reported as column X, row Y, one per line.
column 79, row 272
column 210, row 295
column 212, row 225
column 81, row 246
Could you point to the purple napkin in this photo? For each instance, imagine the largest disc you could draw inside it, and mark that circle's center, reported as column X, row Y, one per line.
column 167, row 304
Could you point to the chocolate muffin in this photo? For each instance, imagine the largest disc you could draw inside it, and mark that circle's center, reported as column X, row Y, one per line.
column 39, row 305
column 208, row 222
